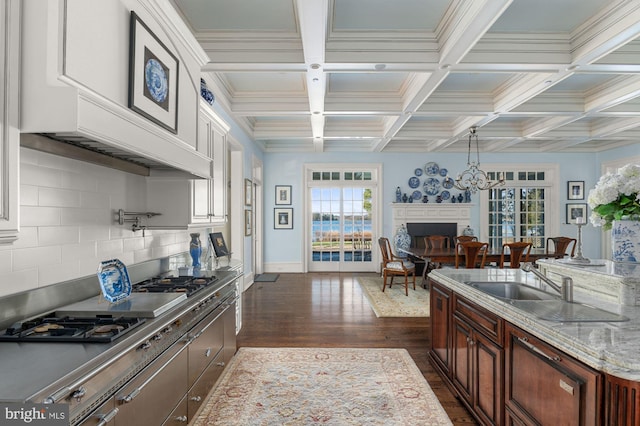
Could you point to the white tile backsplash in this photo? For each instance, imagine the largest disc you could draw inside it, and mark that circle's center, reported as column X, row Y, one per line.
column 55, row 197
column 39, row 216
column 58, row 235
column 67, row 219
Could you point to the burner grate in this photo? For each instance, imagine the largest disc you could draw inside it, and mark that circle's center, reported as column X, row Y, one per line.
column 99, row 329
column 188, row 285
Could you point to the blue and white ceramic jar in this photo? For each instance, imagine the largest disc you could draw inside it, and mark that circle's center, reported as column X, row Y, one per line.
column 402, row 240
column 625, row 240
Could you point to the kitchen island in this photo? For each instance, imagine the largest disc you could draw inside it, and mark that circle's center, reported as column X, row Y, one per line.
column 508, row 365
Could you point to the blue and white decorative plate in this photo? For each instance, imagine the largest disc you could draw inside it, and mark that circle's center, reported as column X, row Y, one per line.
column 431, row 186
column 114, row 280
column 416, row 195
column 418, row 172
column 414, row 182
column 443, row 172
column 445, row 195
column 156, row 80
column 431, row 168
column 447, row 183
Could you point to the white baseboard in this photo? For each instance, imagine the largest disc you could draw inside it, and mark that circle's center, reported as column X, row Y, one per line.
column 274, row 268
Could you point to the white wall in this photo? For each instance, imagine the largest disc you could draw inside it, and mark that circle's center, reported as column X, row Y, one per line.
column 67, row 223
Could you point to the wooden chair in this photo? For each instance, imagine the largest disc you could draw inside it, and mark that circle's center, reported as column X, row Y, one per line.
column 474, row 252
column 436, row 241
column 393, row 265
column 518, row 252
column 433, row 242
column 464, row 239
column 560, row 246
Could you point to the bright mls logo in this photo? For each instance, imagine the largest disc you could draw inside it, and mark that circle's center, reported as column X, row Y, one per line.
column 34, row 414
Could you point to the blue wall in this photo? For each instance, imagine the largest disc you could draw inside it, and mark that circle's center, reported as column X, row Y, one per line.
column 287, row 169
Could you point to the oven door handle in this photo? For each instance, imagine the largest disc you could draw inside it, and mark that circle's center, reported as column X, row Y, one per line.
column 130, row 397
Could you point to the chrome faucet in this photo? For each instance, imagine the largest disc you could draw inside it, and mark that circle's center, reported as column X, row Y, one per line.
column 566, row 290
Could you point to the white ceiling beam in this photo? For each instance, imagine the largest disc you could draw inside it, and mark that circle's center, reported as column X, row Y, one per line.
column 312, row 17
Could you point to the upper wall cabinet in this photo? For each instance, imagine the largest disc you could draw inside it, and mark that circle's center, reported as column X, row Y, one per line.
column 9, row 107
column 77, row 85
column 197, row 202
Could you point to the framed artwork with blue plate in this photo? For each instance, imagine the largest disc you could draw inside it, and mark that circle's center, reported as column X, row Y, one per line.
column 153, row 77
column 431, row 186
column 114, row 280
column 414, row 182
column 447, row 182
column 431, row 168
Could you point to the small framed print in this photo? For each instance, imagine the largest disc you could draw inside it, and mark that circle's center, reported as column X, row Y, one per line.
column 248, row 192
column 576, row 213
column 283, row 195
column 247, row 223
column 219, row 246
column 575, row 190
column 283, row 218
column 153, row 77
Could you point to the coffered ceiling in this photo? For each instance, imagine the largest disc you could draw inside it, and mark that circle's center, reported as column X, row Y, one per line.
column 414, row 75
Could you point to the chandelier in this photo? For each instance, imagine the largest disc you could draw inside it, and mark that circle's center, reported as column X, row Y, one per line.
column 474, row 179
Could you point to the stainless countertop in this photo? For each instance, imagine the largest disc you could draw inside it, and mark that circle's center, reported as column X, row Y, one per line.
column 611, row 347
column 29, row 367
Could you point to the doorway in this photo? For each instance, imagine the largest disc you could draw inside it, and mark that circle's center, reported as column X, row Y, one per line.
column 342, row 219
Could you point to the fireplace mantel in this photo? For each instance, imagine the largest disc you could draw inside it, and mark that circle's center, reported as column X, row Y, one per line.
column 403, row 213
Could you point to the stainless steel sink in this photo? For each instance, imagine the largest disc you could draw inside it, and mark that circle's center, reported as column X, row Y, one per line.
column 561, row 311
column 543, row 305
column 510, row 290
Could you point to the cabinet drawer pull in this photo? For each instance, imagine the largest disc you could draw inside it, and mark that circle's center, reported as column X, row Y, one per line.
column 182, row 419
column 106, row 418
column 196, row 398
column 525, row 341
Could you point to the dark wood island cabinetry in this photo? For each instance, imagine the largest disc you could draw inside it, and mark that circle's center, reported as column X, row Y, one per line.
column 504, row 374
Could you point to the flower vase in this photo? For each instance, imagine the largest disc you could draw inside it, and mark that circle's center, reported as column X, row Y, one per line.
column 195, row 249
column 625, row 240
column 402, row 240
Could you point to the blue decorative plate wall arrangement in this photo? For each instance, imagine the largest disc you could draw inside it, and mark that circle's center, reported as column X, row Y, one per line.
column 431, row 168
column 445, row 195
column 447, row 183
column 418, row 172
column 431, row 186
column 416, row 195
column 443, row 172
column 114, row 280
column 414, row 182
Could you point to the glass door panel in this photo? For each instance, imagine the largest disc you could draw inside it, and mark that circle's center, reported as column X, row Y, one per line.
column 341, row 229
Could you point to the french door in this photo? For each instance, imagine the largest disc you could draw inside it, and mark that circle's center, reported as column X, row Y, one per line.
column 342, row 220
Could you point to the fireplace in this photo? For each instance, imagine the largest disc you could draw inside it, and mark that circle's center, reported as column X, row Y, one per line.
column 420, row 230
column 423, row 219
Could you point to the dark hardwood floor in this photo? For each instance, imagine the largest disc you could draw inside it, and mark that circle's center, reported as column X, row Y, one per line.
column 330, row 310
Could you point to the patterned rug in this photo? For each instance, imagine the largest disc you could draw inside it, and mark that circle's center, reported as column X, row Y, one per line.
column 337, row 386
column 394, row 302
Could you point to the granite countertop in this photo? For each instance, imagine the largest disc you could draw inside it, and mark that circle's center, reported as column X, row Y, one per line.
column 610, row 347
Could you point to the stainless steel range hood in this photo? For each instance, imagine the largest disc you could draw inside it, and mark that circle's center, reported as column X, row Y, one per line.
column 91, row 151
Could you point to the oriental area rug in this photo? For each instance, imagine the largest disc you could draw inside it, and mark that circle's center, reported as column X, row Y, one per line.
column 394, row 302
column 328, row 386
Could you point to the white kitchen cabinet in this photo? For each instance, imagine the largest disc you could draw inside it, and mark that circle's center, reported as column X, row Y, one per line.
column 185, row 203
column 9, row 130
